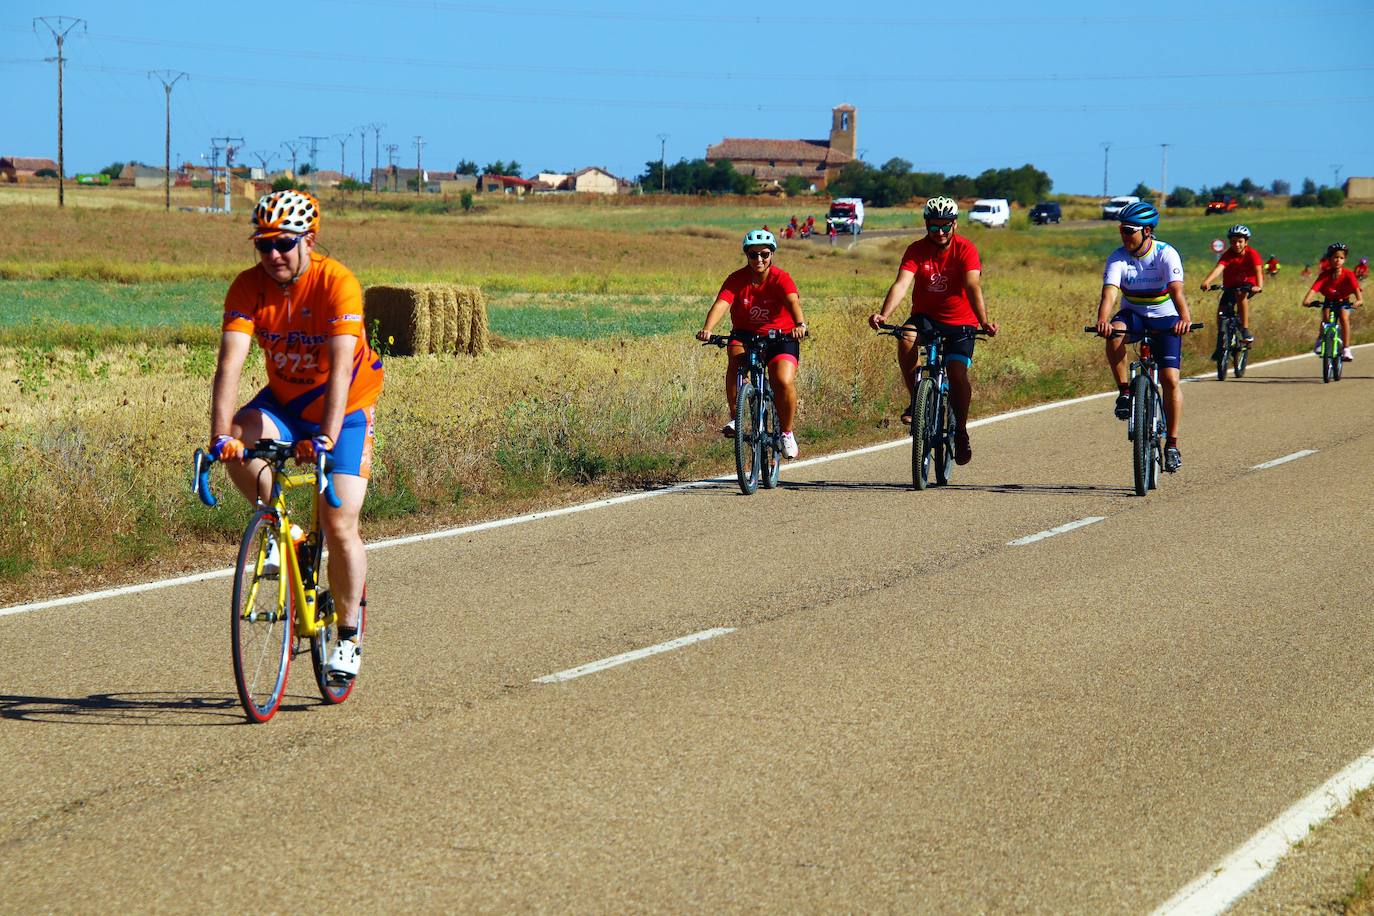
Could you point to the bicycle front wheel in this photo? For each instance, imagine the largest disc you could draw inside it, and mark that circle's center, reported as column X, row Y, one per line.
column 1242, row 356
column 923, row 433
column 770, row 446
column 1223, row 351
column 1142, row 434
column 746, row 439
column 260, row 623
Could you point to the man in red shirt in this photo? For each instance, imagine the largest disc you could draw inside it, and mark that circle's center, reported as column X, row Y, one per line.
column 1336, row 285
column 1239, row 266
column 942, row 271
column 761, row 297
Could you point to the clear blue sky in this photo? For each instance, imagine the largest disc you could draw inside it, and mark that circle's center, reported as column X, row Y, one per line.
column 1265, row 90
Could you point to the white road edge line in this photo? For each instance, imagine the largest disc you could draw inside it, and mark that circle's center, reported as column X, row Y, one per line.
column 1284, row 460
column 1227, row 881
column 1071, row 526
column 585, row 507
column 614, row 660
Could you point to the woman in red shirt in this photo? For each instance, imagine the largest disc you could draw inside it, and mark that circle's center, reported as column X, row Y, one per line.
column 1336, row 285
column 761, row 297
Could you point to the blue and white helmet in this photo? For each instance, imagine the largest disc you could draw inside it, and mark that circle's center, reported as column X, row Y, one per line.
column 1239, row 229
column 1141, row 213
column 759, row 237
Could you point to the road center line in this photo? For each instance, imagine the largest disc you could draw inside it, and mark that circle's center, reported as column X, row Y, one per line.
column 1071, row 526
column 1227, row 881
column 1284, row 460
column 584, row 507
column 614, row 660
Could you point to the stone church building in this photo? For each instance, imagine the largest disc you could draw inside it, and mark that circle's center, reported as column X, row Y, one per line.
column 772, row 161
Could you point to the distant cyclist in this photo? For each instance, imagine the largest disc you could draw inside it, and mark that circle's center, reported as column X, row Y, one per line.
column 1336, row 285
column 1238, row 265
column 1148, row 275
column 943, row 273
column 306, row 312
column 1362, row 269
column 1272, row 266
column 761, row 297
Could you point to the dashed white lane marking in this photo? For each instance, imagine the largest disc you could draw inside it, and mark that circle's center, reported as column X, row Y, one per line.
column 1071, row 526
column 583, row 507
column 1227, row 881
column 603, row 664
column 1284, row 460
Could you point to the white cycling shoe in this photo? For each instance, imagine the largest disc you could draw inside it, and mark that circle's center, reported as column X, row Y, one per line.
column 789, row 446
column 344, row 661
column 271, row 562
column 1347, row 356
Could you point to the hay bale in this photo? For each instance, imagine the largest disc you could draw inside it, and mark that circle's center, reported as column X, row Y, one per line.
column 443, row 318
column 479, row 331
column 401, row 314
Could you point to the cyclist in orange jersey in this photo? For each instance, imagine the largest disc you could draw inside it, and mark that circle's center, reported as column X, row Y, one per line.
column 323, row 379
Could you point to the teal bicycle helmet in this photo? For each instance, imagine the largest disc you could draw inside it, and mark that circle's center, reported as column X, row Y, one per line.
column 1140, row 214
column 759, row 237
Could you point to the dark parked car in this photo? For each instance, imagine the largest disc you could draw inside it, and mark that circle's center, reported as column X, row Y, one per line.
column 1045, row 212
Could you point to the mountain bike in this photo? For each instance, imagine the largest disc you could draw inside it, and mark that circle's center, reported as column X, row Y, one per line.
column 758, row 440
column 1146, row 428
column 274, row 611
column 1231, row 346
column 1329, row 343
column 933, row 424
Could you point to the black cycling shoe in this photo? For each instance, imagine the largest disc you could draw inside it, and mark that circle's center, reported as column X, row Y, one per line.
column 1123, row 406
column 1173, row 460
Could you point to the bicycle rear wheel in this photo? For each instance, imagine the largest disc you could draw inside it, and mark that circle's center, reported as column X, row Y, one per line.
column 260, row 622
column 923, row 432
column 770, row 447
column 746, row 439
column 1157, row 438
column 1142, row 432
column 943, row 455
column 1337, row 367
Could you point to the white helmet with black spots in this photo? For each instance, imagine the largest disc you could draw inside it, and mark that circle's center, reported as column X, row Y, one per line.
column 279, row 212
column 942, row 208
column 1239, row 229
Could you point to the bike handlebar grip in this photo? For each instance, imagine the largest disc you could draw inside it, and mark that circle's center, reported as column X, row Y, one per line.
column 1195, row 326
column 201, row 485
column 324, row 477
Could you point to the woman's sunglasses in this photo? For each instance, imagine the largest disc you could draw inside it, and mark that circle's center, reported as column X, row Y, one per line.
column 281, row 244
column 760, row 255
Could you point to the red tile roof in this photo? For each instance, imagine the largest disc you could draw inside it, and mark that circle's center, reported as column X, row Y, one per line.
column 738, row 148
column 29, row 163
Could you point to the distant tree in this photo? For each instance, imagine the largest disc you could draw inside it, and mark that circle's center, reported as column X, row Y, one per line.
column 1144, row 192
column 1280, row 188
column 305, row 168
column 793, row 185
column 1330, row 197
column 513, row 168
column 896, row 166
column 1181, row 197
column 1309, row 186
column 45, row 173
column 960, row 186
column 283, row 183
column 351, row 184
column 113, row 169
column 1303, row 200
column 499, row 167
column 465, row 201
column 466, row 167
column 1247, row 186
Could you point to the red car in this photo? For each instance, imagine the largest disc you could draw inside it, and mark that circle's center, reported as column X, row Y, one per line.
column 1221, row 205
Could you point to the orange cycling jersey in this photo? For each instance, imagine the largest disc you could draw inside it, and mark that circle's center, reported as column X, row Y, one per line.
column 293, row 325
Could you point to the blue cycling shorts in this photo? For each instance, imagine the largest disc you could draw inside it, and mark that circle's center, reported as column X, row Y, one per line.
column 1164, row 343
column 353, row 450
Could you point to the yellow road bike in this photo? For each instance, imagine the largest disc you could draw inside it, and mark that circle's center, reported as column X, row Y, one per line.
column 277, row 607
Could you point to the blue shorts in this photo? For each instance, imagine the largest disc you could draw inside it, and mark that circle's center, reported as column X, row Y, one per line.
column 1165, row 344
column 352, row 451
column 957, row 349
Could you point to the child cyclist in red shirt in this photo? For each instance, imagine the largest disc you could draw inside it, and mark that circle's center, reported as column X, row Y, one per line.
column 942, row 271
column 1238, row 265
column 761, row 297
column 1336, row 285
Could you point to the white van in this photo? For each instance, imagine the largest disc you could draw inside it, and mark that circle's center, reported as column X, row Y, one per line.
column 992, row 212
column 846, row 215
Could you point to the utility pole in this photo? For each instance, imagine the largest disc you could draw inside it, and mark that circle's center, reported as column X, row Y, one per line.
column 1164, row 175
column 1336, row 175
column 293, row 147
column 59, row 26
column 264, row 159
column 314, row 148
column 168, row 78
column 419, row 144
column 1106, row 154
column 376, row 149
column 362, row 154
column 229, row 150
column 391, row 149
column 662, row 167
column 343, row 146
column 214, row 166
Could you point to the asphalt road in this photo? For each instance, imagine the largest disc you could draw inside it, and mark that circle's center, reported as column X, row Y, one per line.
column 909, row 713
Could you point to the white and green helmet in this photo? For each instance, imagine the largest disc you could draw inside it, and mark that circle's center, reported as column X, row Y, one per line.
column 759, row 237
column 942, row 208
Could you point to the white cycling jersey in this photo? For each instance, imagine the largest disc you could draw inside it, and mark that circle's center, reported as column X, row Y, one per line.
column 1144, row 281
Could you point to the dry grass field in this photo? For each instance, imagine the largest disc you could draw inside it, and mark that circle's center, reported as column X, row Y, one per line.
column 595, row 386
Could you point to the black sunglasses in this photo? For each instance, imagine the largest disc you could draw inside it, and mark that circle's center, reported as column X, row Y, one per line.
column 762, row 255
column 939, row 227
column 281, row 244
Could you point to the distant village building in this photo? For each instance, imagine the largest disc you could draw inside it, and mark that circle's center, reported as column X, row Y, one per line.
column 592, row 180
column 21, row 168
column 1359, row 188
column 504, row 184
column 134, row 175
column 770, row 162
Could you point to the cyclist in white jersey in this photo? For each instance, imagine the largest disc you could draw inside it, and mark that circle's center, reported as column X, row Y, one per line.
column 1148, row 276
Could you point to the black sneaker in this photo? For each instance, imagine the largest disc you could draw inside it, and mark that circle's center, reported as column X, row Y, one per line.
column 1123, row 406
column 1246, row 336
column 1173, row 460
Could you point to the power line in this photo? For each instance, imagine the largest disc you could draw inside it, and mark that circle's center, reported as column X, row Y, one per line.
column 376, row 148
column 168, row 78
column 59, row 26
column 293, row 147
column 314, row 148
